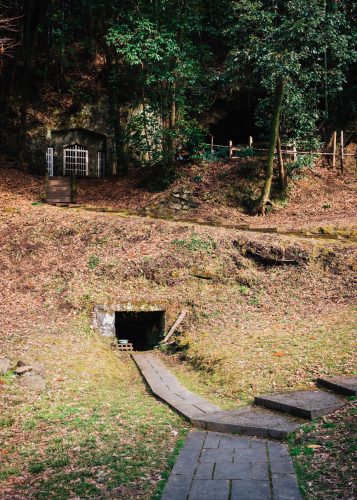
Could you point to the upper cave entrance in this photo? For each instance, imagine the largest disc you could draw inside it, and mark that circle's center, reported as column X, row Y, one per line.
column 143, row 329
column 234, row 119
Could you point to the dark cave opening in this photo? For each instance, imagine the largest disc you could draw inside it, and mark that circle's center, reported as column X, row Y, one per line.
column 143, row 329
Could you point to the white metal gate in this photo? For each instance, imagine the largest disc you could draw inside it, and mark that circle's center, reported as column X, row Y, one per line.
column 75, row 160
column 101, row 163
column 49, row 161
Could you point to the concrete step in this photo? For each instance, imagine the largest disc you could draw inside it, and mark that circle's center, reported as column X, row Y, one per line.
column 59, row 189
column 342, row 385
column 249, row 421
column 305, row 404
column 59, row 183
column 59, row 199
column 201, row 413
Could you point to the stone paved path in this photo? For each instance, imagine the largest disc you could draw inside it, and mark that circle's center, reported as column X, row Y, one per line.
column 249, row 420
column 219, row 466
column 215, row 466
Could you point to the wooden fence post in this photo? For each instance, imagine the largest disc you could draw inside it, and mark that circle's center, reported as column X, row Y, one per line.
column 334, row 144
column 342, row 152
column 230, row 149
column 294, row 151
column 250, row 141
column 212, row 148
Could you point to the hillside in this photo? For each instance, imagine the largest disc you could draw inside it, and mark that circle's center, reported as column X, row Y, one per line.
column 266, row 312
column 319, row 199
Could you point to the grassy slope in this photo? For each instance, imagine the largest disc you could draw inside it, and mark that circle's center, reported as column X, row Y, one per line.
column 324, row 455
column 95, row 432
column 251, row 328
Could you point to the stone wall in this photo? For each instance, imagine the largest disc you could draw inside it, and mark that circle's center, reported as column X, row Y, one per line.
column 103, row 319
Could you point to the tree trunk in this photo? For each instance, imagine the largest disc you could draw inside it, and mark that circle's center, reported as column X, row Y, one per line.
column 281, row 166
column 33, row 13
column 28, row 46
column 172, row 125
column 120, row 163
column 274, row 131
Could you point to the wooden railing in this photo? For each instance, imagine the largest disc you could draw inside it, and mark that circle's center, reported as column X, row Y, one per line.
column 288, row 149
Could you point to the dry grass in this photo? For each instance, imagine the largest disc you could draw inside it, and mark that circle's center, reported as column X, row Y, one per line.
column 251, row 327
column 324, row 454
column 318, row 198
column 95, row 432
column 270, row 355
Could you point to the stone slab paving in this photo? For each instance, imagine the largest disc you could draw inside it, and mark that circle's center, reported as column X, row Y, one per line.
column 166, row 387
column 343, row 385
column 250, row 421
column 306, row 404
column 216, row 466
column 201, row 413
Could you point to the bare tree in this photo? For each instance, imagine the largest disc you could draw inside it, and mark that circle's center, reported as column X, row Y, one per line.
column 8, row 28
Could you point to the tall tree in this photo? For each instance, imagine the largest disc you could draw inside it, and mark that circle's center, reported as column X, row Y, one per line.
column 33, row 13
column 281, row 46
column 162, row 42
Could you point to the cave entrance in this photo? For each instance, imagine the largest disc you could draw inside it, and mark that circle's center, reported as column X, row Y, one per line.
column 143, row 329
column 234, row 119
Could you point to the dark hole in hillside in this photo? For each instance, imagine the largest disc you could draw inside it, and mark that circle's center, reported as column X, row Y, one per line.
column 235, row 121
column 143, row 329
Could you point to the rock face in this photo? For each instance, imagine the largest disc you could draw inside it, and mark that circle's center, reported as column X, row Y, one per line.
column 33, row 381
column 5, row 365
column 31, row 375
column 104, row 321
column 21, row 370
column 181, row 199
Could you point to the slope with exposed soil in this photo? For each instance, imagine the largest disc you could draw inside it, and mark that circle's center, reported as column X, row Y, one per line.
column 265, row 311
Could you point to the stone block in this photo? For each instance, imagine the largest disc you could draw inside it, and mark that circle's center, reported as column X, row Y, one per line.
column 177, row 488
column 105, row 322
column 252, row 422
column 212, row 440
column 196, row 439
column 260, row 471
column 342, row 385
column 306, row 404
column 250, row 490
column 234, row 442
column 285, row 487
column 216, row 455
column 209, row 489
column 204, row 470
column 251, row 455
column 226, row 470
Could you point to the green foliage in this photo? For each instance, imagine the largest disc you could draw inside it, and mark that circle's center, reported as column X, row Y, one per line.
column 36, row 467
column 274, row 41
column 196, row 243
column 303, row 161
column 93, row 262
column 159, row 43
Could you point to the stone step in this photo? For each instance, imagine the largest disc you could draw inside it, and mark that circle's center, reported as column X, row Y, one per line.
column 249, row 421
column 59, row 181
column 201, row 413
column 305, row 404
column 342, row 385
column 59, row 190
